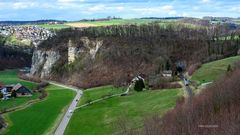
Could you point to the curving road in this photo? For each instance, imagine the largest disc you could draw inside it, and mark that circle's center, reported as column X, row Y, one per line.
column 68, row 114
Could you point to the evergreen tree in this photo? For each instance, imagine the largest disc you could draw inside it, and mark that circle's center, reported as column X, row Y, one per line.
column 139, row 85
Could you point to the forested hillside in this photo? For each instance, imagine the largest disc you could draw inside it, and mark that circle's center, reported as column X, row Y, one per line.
column 13, row 56
column 115, row 54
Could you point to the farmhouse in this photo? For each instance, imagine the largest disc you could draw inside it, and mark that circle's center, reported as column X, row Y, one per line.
column 19, row 89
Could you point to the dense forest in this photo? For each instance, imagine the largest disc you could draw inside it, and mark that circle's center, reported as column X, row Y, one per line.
column 130, row 50
column 13, row 57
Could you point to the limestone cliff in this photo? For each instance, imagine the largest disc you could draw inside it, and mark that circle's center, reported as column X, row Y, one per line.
column 43, row 61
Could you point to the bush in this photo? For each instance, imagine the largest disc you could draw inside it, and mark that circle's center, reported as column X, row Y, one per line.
column 2, row 122
column 41, row 85
column 139, row 85
column 88, row 101
column 43, row 94
column 192, row 68
column 166, row 85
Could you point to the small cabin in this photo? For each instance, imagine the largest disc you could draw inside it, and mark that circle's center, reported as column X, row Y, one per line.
column 22, row 90
column 167, row 73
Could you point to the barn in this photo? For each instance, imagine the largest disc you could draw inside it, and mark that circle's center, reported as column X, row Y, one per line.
column 22, row 90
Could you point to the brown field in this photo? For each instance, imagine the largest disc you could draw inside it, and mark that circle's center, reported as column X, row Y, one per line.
column 81, row 25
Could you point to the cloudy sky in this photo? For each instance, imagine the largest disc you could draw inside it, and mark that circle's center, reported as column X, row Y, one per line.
column 81, row 9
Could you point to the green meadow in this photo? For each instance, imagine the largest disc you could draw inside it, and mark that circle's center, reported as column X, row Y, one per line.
column 116, row 22
column 42, row 117
column 39, row 118
column 99, row 92
column 103, row 118
column 214, row 70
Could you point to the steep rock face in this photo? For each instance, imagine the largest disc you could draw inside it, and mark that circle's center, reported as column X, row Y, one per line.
column 43, row 61
column 92, row 45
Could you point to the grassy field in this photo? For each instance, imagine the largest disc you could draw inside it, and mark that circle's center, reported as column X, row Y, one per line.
column 98, row 92
column 102, row 118
column 40, row 118
column 83, row 24
column 213, row 70
column 10, row 77
column 53, row 26
column 111, row 22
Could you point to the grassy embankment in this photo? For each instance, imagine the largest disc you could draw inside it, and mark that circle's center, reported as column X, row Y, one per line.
column 101, row 118
column 39, row 118
column 214, row 70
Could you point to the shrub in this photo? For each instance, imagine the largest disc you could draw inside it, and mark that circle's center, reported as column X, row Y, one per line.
column 42, row 85
column 88, row 101
column 139, row 85
column 192, row 68
column 2, row 122
column 43, row 94
column 166, row 85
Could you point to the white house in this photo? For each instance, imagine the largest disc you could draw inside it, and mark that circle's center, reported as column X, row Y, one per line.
column 167, row 73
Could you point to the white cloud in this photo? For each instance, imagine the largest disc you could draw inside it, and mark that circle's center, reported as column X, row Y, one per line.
column 235, row 9
column 167, row 8
column 173, row 12
column 120, row 8
column 23, row 5
column 97, row 8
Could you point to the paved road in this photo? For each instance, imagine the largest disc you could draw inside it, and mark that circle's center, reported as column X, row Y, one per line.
column 67, row 116
column 187, row 87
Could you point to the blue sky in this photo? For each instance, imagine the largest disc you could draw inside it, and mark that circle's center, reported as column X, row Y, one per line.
column 81, row 9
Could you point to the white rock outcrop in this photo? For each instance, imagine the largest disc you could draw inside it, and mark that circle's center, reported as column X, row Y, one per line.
column 43, row 61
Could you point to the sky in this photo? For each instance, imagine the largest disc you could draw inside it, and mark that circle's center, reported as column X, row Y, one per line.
column 73, row 10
